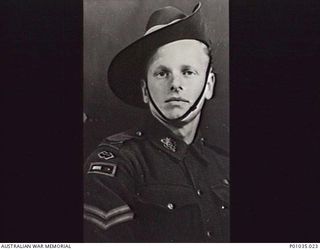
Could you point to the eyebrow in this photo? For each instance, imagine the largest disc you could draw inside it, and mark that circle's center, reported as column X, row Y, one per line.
column 163, row 67
column 188, row 67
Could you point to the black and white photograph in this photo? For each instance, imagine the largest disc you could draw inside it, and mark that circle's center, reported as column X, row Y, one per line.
column 160, row 121
column 156, row 121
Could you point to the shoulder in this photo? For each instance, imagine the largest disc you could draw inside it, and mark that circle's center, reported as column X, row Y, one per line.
column 218, row 150
column 113, row 150
column 117, row 141
column 220, row 154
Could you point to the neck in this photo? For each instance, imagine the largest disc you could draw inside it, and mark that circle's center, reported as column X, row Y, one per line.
column 185, row 132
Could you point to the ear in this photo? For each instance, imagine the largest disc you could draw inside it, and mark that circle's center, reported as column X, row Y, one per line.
column 210, row 85
column 144, row 90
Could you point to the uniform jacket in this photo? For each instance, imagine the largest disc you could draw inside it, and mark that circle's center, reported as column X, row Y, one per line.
column 146, row 185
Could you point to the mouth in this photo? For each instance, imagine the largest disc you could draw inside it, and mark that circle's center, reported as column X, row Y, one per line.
column 176, row 99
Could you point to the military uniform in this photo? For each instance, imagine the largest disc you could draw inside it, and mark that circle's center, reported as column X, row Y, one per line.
column 146, row 185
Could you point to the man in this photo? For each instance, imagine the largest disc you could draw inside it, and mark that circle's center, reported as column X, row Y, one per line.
column 162, row 182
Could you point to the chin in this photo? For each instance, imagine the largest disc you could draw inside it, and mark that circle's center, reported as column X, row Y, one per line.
column 174, row 112
column 174, row 115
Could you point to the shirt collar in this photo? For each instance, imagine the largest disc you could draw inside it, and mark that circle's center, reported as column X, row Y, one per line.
column 161, row 137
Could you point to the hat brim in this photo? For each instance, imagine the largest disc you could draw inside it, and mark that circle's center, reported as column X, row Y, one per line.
column 127, row 68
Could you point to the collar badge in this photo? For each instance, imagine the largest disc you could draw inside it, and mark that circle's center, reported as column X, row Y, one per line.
column 169, row 143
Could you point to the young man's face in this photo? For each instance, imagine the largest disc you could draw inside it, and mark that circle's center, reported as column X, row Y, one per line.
column 176, row 76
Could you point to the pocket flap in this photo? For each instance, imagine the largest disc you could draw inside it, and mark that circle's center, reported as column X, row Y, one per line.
column 168, row 197
column 222, row 191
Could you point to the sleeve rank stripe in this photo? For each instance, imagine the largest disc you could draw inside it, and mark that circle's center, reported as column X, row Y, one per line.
column 104, row 226
column 120, row 219
column 106, row 215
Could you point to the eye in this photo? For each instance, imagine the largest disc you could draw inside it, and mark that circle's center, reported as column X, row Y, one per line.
column 161, row 74
column 189, row 72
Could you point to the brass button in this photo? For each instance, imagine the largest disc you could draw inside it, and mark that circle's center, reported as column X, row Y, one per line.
column 138, row 133
column 225, row 181
column 223, row 207
column 202, row 139
column 170, row 206
column 199, row 192
column 209, row 234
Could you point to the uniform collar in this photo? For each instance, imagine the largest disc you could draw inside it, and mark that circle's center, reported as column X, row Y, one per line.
column 161, row 137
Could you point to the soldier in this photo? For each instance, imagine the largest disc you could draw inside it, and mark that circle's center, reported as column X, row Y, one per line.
column 162, row 182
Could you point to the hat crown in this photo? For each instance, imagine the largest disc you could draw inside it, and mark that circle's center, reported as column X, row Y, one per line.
column 164, row 16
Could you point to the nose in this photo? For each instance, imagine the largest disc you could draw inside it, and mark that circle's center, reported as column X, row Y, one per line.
column 175, row 83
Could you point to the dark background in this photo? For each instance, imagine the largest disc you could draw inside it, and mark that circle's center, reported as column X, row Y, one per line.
column 110, row 26
column 41, row 121
column 274, row 125
column 275, row 101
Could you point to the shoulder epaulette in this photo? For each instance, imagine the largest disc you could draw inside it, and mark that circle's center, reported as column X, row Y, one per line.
column 118, row 139
column 218, row 150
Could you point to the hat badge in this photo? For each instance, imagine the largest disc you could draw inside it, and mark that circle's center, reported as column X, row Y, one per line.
column 169, row 143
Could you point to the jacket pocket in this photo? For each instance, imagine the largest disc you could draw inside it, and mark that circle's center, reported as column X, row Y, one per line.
column 169, row 213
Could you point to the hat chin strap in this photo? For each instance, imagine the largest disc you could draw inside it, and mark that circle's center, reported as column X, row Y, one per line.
column 180, row 119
